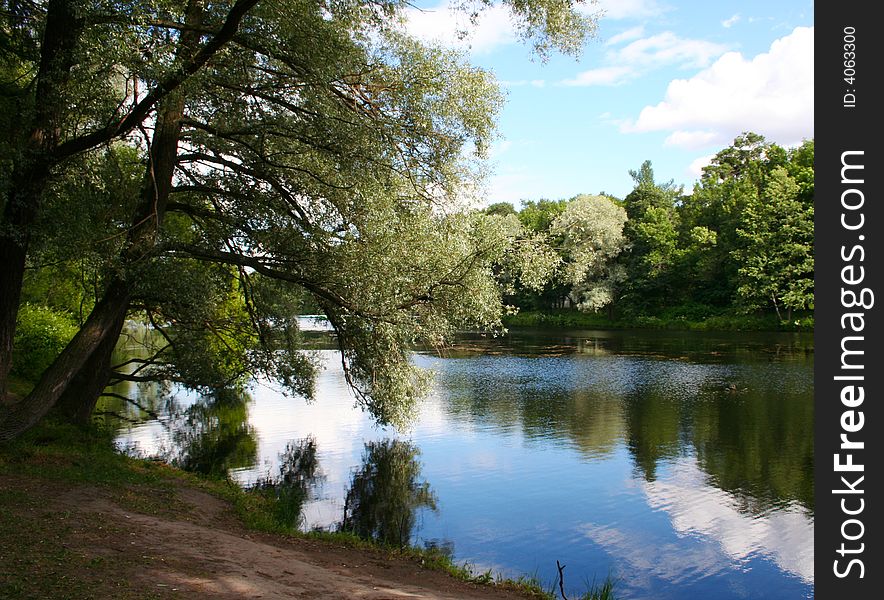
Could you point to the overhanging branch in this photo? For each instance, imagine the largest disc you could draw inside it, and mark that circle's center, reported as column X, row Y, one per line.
column 162, row 89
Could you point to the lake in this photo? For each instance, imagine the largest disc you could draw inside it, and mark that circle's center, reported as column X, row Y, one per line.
column 680, row 463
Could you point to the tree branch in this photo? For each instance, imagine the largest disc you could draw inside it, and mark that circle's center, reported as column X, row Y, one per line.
column 162, row 89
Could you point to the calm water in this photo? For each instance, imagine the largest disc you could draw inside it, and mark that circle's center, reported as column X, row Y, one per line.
column 680, row 463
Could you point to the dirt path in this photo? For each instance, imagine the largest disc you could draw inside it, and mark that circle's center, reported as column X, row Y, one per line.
column 198, row 549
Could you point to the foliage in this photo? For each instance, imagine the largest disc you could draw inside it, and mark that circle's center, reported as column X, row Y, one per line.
column 652, row 242
column 740, row 243
column 213, row 167
column 591, row 229
column 539, row 216
column 41, row 334
column 776, row 262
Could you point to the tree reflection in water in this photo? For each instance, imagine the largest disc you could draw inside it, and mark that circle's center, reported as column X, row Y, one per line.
column 215, row 435
column 298, row 475
column 385, row 494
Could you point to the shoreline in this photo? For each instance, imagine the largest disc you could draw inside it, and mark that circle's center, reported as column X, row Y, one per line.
column 572, row 319
column 80, row 520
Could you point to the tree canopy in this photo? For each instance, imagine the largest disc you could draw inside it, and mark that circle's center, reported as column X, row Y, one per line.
column 253, row 156
column 741, row 242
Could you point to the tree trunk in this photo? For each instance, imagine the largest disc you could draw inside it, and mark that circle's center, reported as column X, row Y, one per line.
column 83, row 366
column 31, row 168
column 12, row 269
column 19, row 417
column 79, row 398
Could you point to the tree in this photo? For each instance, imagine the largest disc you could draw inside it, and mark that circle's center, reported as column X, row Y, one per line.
column 538, row 216
column 651, row 233
column 591, row 228
column 776, row 263
column 761, row 220
column 70, row 106
column 311, row 144
column 501, row 209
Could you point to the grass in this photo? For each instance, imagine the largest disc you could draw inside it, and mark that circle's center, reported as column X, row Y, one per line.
column 35, row 561
column 674, row 320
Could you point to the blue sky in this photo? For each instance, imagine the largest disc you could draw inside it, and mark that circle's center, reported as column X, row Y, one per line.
column 668, row 81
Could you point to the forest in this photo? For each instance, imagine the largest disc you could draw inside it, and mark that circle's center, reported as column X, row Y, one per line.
column 740, row 243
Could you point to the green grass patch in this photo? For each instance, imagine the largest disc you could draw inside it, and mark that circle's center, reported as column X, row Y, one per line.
column 673, row 319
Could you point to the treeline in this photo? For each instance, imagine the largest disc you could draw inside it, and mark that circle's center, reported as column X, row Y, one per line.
column 740, row 244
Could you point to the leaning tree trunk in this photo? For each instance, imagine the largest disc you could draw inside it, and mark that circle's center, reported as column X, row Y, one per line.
column 80, row 373
column 79, row 398
column 17, row 418
column 88, row 355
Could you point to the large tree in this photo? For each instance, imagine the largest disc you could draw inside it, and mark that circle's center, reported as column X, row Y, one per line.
column 312, row 144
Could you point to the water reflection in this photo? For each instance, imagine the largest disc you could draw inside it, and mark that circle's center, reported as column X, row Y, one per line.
column 758, row 444
column 682, row 463
column 386, row 493
column 697, row 508
column 214, row 435
column 750, row 426
column 297, row 477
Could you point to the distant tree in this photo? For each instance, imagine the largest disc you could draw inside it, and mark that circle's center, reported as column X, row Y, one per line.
column 501, row 209
column 652, row 252
column 539, row 215
column 591, row 229
column 750, row 203
column 776, row 260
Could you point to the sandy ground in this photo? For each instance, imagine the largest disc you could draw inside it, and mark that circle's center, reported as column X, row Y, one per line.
column 200, row 550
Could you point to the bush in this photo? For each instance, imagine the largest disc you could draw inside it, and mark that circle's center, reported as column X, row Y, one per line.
column 41, row 334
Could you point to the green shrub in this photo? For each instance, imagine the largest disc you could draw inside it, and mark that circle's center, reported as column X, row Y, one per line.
column 41, row 334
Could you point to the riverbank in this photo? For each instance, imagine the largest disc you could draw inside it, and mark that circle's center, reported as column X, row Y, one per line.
column 79, row 520
column 574, row 319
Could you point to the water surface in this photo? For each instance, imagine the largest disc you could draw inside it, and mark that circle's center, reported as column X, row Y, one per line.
column 679, row 463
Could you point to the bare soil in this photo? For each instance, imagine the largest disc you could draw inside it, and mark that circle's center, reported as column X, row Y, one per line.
column 93, row 541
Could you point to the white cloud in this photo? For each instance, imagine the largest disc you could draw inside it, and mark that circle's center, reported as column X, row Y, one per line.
column 771, row 94
column 695, row 169
column 626, row 9
column 728, row 23
column 668, row 48
column 625, row 36
column 695, row 508
column 690, row 139
column 441, row 24
column 645, row 54
column 602, row 76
